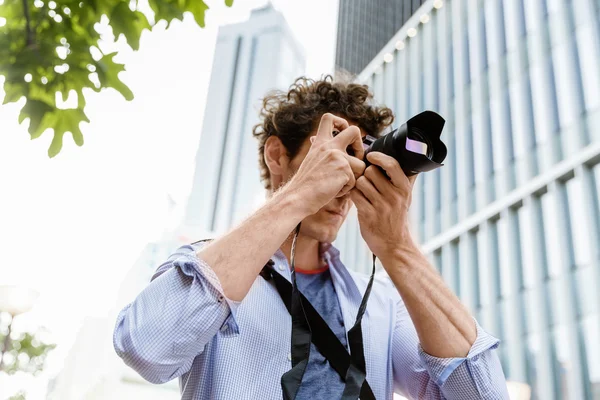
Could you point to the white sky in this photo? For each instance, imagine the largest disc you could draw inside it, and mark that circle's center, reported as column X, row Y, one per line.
column 72, row 226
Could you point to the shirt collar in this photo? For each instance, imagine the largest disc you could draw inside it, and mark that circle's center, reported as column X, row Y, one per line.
column 341, row 276
column 326, row 250
column 345, row 286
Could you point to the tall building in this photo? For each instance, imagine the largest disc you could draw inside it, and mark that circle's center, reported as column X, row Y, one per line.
column 512, row 221
column 364, row 27
column 251, row 58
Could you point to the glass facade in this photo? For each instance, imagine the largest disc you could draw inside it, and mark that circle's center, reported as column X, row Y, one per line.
column 364, row 27
column 512, row 221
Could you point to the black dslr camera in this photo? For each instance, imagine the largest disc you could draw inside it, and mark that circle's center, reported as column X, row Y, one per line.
column 416, row 145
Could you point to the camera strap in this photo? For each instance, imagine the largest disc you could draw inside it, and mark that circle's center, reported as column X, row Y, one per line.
column 308, row 325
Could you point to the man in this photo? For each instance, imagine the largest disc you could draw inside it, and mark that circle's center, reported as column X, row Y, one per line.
column 208, row 318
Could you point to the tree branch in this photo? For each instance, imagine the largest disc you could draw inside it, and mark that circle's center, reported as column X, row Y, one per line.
column 28, row 22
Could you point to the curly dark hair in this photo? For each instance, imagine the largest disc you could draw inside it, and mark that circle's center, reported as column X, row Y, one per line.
column 293, row 115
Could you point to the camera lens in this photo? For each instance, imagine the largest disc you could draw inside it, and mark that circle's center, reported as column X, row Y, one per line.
column 418, row 135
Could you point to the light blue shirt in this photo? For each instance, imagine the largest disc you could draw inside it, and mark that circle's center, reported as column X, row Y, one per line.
column 182, row 326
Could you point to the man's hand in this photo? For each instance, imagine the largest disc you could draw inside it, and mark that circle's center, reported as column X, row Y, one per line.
column 328, row 171
column 382, row 203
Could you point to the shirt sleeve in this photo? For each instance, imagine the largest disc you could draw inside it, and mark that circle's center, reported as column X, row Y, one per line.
column 170, row 322
column 418, row 375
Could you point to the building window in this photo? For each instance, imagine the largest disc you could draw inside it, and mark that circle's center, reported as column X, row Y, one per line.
column 528, row 246
column 579, row 216
column 597, row 176
column 591, row 332
column 450, row 66
column 567, row 88
column 455, row 263
column 534, row 348
column 437, row 198
column 544, row 107
column 586, row 291
column 483, row 40
column 588, row 66
column 563, row 361
column 506, row 264
column 483, row 286
column 437, row 260
column 466, row 65
column 476, row 282
column 553, row 6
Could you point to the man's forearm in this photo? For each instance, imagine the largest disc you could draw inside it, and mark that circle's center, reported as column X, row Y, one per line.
column 238, row 256
column 445, row 327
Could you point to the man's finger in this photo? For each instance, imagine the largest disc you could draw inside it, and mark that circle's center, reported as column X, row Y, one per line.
column 351, row 136
column 357, row 165
column 391, row 168
column 378, row 178
column 366, row 187
column 327, row 125
column 349, row 185
column 359, row 199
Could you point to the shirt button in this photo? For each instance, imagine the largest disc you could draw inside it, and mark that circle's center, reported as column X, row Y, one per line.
column 220, row 298
column 224, row 328
column 290, row 356
column 281, row 267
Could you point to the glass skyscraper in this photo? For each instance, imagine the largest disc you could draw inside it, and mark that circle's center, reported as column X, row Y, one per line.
column 251, row 58
column 364, row 27
column 512, row 221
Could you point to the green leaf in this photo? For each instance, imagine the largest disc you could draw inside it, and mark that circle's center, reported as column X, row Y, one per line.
column 76, row 79
column 42, row 93
column 102, row 6
column 35, row 110
column 13, row 92
column 129, row 24
column 64, row 121
column 228, row 3
column 108, row 74
column 198, row 9
column 166, row 10
column 10, row 9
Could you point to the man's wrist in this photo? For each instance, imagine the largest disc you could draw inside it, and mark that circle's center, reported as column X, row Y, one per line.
column 402, row 246
column 288, row 203
column 406, row 254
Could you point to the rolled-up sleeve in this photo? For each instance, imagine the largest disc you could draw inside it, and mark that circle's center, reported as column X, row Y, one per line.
column 169, row 323
column 418, row 375
column 479, row 375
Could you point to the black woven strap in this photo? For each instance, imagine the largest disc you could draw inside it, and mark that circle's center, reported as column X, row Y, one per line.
column 351, row 368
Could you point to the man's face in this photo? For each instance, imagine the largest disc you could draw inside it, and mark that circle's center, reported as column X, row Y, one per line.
column 324, row 224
